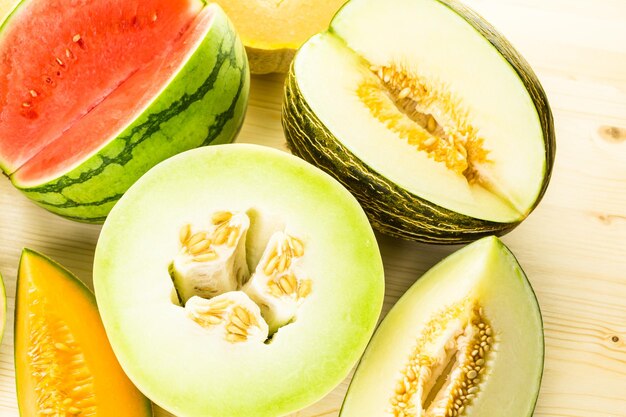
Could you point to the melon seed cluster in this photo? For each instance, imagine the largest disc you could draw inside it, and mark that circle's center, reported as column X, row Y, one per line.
column 210, row 269
column 279, row 283
column 200, row 245
column 232, row 315
column 427, row 115
column 459, row 335
column 211, row 261
column 64, row 385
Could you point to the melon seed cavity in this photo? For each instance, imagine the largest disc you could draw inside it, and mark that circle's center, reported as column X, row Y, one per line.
column 213, row 283
column 427, row 115
column 443, row 374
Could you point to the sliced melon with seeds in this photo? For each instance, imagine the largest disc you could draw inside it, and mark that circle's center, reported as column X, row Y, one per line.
column 178, row 301
column 64, row 364
column 465, row 340
column 432, row 120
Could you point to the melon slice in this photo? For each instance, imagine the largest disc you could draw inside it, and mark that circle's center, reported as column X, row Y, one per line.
column 465, row 340
column 64, row 363
column 110, row 91
column 433, row 120
column 273, row 30
column 209, row 341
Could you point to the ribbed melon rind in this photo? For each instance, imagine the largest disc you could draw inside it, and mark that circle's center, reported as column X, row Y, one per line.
column 203, row 105
column 392, row 209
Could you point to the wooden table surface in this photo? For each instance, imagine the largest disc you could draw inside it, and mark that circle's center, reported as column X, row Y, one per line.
column 573, row 246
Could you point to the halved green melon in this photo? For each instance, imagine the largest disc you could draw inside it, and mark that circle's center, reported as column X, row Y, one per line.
column 427, row 114
column 95, row 93
column 465, row 340
column 250, row 287
column 64, row 364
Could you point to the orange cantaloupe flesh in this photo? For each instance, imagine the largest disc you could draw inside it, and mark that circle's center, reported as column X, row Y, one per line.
column 273, row 29
column 64, row 363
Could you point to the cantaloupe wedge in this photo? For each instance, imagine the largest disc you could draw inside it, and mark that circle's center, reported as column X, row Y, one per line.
column 64, row 364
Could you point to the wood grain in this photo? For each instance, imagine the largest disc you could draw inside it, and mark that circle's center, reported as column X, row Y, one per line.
column 573, row 247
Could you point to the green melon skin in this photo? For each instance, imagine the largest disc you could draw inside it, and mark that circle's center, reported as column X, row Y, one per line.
column 168, row 356
column 487, row 272
column 391, row 208
column 204, row 104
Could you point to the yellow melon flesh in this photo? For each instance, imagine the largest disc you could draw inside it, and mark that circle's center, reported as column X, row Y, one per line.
column 273, row 29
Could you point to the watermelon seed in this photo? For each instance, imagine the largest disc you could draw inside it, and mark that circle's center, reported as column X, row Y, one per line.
column 60, row 62
column 26, row 104
column 69, row 53
column 154, row 17
column 77, row 39
column 33, row 93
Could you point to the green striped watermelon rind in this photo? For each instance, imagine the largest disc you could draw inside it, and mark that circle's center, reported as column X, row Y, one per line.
column 204, row 104
column 392, row 209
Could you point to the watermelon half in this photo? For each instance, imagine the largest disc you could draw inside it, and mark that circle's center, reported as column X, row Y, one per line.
column 93, row 93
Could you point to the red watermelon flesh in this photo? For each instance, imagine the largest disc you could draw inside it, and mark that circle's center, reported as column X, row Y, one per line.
column 74, row 73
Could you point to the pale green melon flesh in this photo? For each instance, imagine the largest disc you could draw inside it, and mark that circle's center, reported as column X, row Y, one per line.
column 166, row 354
column 431, row 40
column 487, row 272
